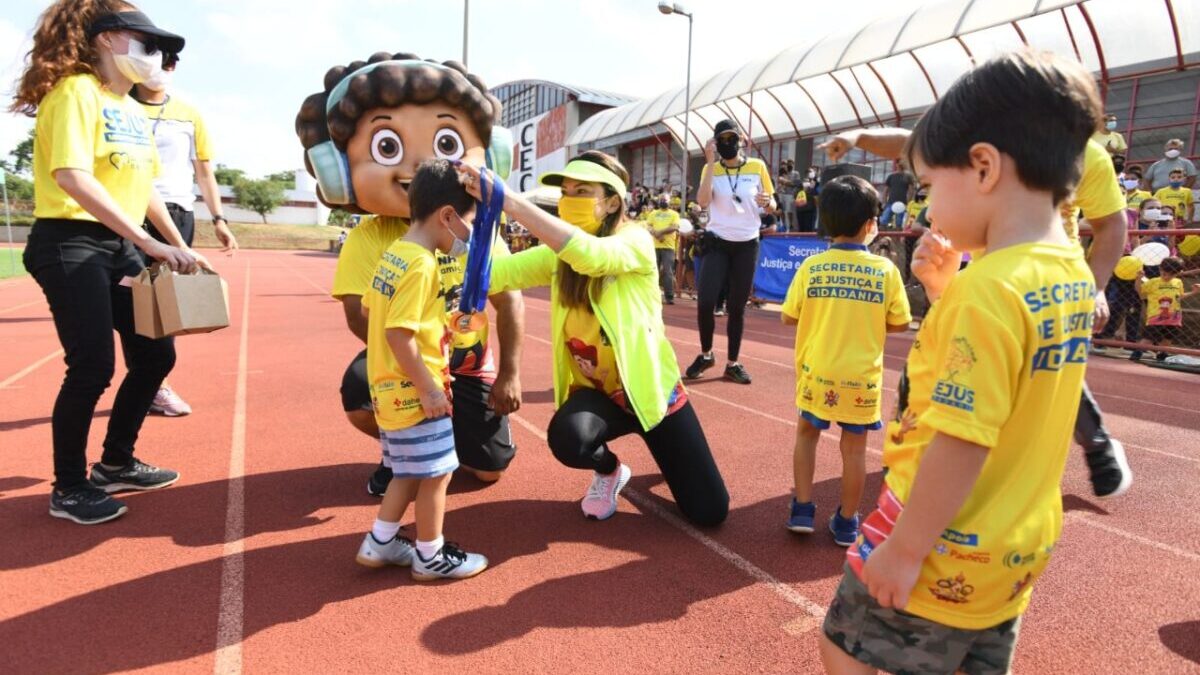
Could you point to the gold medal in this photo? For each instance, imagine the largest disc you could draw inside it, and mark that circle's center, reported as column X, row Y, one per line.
column 468, row 323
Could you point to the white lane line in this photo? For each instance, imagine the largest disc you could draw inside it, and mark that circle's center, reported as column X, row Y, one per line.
column 30, row 368
column 1161, row 452
column 230, row 620
column 14, row 308
column 1079, row 517
column 645, row 503
column 324, row 291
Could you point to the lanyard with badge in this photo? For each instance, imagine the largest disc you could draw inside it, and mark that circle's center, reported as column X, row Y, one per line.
column 162, row 109
column 471, row 316
column 733, row 185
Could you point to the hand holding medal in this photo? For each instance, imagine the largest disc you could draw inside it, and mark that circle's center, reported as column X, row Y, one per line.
column 488, row 191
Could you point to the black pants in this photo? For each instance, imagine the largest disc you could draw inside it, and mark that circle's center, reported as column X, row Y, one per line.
column 79, row 266
column 581, row 429
column 666, row 271
column 806, row 220
column 731, row 261
column 1089, row 423
column 1124, row 307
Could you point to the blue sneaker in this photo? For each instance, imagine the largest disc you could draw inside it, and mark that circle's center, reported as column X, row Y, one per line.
column 845, row 530
column 802, row 516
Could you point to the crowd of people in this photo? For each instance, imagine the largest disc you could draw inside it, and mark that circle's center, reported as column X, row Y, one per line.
column 991, row 395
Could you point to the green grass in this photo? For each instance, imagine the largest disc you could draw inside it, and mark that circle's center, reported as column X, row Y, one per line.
column 258, row 235
column 10, row 263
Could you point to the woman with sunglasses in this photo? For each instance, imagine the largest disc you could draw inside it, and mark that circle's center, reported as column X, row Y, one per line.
column 614, row 369
column 94, row 163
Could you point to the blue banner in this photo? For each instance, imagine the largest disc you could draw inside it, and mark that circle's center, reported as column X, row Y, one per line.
column 778, row 259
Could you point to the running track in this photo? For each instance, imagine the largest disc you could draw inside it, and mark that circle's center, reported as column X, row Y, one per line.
column 248, row 563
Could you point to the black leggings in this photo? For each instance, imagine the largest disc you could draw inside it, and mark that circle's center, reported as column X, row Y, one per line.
column 731, row 261
column 581, row 429
column 78, row 269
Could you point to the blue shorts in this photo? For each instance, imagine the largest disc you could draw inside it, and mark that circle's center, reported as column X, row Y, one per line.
column 852, row 428
column 422, row 451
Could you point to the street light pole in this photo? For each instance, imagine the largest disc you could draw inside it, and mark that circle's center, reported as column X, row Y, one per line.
column 466, row 23
column 668, row 8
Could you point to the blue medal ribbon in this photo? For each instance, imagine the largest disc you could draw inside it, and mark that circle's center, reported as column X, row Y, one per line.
column 477, row 275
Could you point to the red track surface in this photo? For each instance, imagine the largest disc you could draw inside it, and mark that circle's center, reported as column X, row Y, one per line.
column 641, row 592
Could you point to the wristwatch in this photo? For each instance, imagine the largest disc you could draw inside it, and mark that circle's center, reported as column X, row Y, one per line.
column 220, row 218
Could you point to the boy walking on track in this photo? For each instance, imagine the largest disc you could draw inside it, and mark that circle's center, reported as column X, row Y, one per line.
column 843, row 302
column 971, row 509
column 408, row 367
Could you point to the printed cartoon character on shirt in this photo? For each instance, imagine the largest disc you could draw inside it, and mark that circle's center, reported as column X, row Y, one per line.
column 587, row 359
column 374, row 123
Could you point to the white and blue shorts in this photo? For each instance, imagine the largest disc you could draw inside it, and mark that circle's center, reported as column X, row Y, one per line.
column 422, row 451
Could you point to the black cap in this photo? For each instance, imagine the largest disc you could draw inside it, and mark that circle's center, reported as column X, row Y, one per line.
column 724, row 126
column 136, row 21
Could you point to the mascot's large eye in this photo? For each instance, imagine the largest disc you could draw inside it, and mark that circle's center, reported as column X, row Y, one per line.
column 448, row 144
column 386, row 147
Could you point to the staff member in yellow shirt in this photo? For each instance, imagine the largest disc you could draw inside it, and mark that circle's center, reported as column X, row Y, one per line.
column 94, row 162
column 184, row 153
column 663, row 224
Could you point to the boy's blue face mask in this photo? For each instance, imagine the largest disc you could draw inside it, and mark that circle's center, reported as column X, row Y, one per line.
column 1176, row 184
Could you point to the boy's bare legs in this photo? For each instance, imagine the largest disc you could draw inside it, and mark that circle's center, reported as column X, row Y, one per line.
column 431, row 506
column 854, row 471
column 804, row 459
column 838, row 662
column 400, row 493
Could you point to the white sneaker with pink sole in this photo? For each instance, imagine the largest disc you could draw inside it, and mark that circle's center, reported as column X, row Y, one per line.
column 601, row 499
column 168, row 403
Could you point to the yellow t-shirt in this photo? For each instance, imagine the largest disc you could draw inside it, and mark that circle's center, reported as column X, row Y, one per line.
column 659, row 220
column 405, row 293
column 999, row 361
column 361, row 251
column 81, row 125
column 593, row 361
column 1134, row 198
column 1163, row 306
column 1179, row 199
column 1112, row 141
column 843, row 301
column 1098, row 193
column 470, row 352
column 914, row 210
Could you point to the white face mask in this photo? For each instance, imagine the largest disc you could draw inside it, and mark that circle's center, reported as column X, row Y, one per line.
column 1151, row 215
column 460, row 247
column 138, row 65
column 1172, row 153
column 160, row 81
column 1110, row 126
column 1130, row 183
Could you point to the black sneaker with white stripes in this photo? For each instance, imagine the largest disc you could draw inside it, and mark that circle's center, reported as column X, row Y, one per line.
column 737, row 373
column 87, row 505
column 137, row 475
column 451, row 562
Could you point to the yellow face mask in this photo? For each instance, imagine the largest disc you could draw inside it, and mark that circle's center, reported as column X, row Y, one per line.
column 580, row 212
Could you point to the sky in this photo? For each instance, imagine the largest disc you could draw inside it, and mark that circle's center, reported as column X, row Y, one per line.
column 248, row 64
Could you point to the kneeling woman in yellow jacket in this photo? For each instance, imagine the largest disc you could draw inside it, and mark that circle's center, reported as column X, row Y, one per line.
column 614, row 370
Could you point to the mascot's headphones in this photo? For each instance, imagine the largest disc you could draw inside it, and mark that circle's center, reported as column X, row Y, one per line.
column 332, row 167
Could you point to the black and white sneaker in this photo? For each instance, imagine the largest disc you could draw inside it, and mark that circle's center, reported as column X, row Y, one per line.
column 449, row 563
column 87, row 505
column 137, row 475
column 1109, row 469
column 737, row 373
column 701, row 364
column 377, row 484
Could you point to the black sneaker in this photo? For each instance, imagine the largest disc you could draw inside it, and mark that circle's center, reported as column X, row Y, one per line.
column 1161, row 357
column 1109, row 469
column 669, row 301
column 86, row 505
column 378, row 482
column 1135, row 356
column 720, row 311
column 737, row 373
column 701, row 364
column 137, row 475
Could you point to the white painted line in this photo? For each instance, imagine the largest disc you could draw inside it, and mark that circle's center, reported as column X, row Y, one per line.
column 230, row 619
column 1160, row 452
column 14, row 308
column 755, row 572
column 324, row 291
column 30, row 368
column 1079, row 517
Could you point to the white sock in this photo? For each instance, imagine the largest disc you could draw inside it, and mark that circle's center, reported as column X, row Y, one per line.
column 428, row 549
column 383, row 531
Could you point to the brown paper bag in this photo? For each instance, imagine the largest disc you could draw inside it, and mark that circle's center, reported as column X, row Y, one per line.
column 191, row 303
column 146, row 319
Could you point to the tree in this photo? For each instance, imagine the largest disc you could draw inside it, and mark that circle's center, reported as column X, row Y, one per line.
column 228, row 176
column 287, row 178
column 22, row 156
column 259, row 196
column 340, row 218
column 18, row 188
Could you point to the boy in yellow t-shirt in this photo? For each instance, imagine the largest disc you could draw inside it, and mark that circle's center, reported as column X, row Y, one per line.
column 663, row 223
column 1177, row 196
column 971, row 509
column 1164, row 310
column 408, row 368
column 843, row 303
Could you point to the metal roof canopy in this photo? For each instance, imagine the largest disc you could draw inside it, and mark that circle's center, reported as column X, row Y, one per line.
column 583, row 94
column 892, row 66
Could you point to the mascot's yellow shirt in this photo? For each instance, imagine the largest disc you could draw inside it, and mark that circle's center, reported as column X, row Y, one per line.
column 81, row 125
column 405, row 293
